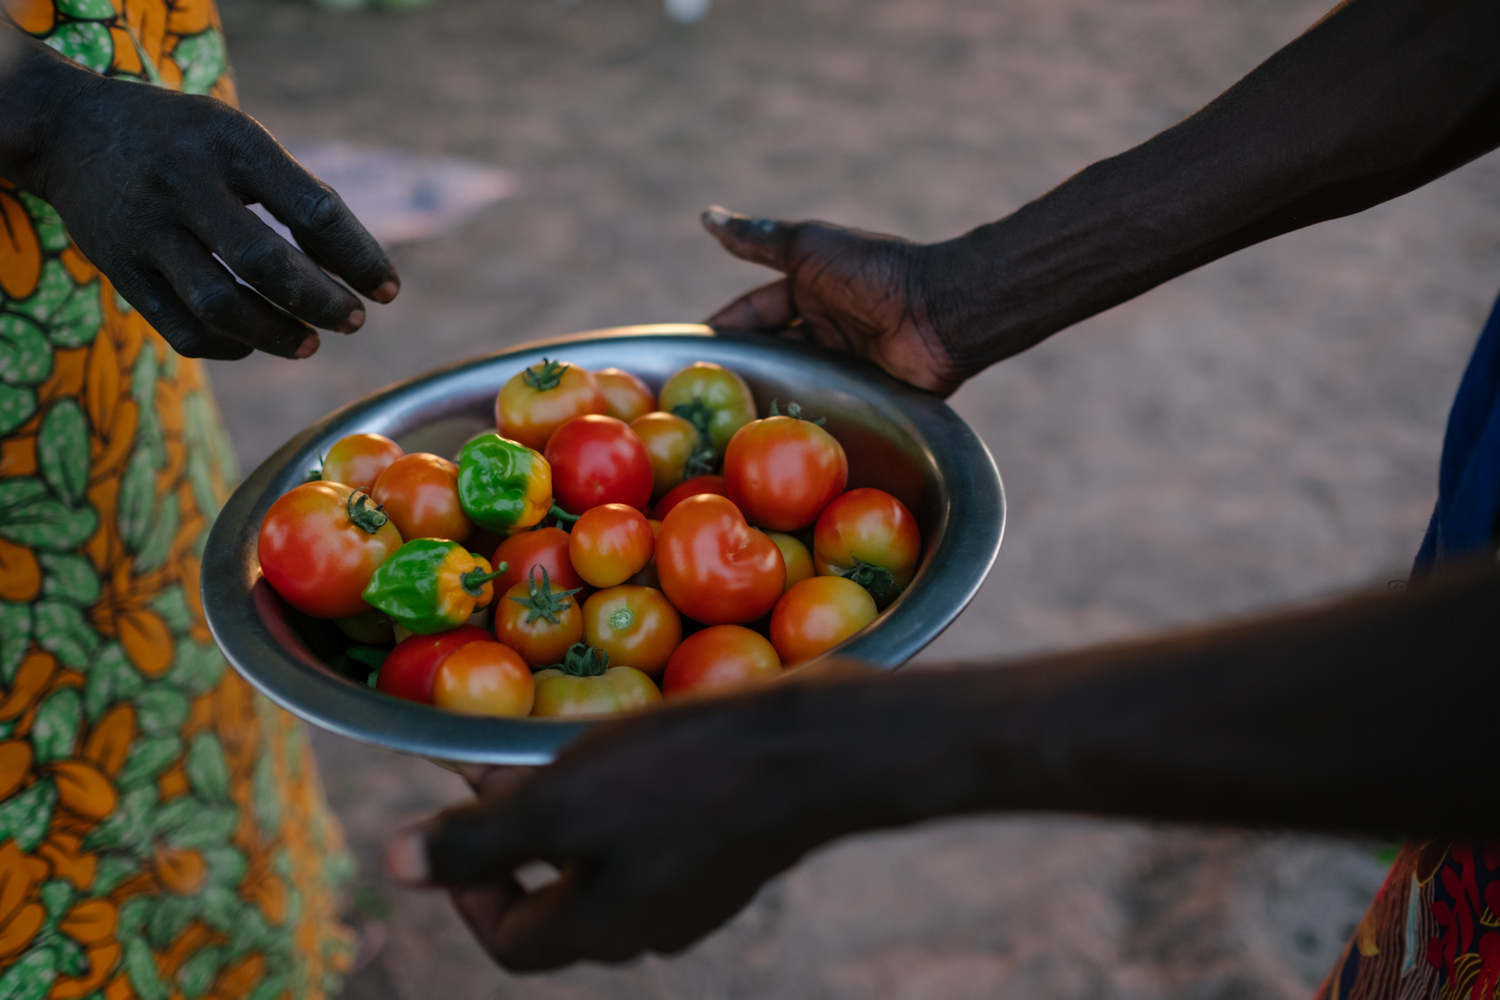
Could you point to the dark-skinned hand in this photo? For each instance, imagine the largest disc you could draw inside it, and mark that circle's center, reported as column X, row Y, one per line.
column 152, row 184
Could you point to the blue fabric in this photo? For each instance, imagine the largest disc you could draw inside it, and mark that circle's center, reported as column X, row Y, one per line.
column 1463, row 525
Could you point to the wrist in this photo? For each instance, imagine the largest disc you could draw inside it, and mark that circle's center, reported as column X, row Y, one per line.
column 39, row 102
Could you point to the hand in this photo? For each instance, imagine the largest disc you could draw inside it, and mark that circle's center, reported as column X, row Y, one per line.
column 870, row 295
column 151, row 184
column 663, row 824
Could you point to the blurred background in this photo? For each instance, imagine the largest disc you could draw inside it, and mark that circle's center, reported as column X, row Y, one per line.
column 1260, row 432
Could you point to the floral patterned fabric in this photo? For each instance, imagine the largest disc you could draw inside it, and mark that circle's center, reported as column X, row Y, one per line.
column 162, row 831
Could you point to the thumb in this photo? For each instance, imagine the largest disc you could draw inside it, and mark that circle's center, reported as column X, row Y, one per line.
column 469, row 845
column 760, row 241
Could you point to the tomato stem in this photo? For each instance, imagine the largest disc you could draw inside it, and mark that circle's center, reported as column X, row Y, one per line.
column 362, row 515
column 543, row 601
column 621, row 619
column 795, row 412
column 563, row 515
column 876, row 579
column 545, row 376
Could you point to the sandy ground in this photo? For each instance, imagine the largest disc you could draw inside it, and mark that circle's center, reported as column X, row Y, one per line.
column 1260, row 432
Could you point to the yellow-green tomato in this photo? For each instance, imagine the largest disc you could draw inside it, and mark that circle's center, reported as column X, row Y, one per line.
column 710, row 397
column 618, row 689
column 636, row 626
column 671, row 444
column 799, row 561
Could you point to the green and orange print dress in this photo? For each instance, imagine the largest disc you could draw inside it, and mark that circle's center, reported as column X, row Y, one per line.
column 162, row 831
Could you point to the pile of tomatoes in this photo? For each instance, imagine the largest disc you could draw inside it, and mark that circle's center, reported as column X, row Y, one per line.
column 639, row 546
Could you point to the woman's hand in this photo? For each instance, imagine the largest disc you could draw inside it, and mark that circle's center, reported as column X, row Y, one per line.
column 152, row 184
column 877, row 297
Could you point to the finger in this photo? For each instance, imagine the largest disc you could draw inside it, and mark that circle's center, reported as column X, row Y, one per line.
column 276, row 269
column 766, row 309
column 541, row 931
column 153, row 297
column 469, row 845
column 226, row 307
column 760, row 241
column 323, row 225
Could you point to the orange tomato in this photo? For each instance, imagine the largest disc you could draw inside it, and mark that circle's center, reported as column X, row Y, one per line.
column 818, row 614
column 671, row 443
column 420, row 493
column 610, row 544
column 537, row 401
column 870, row 537
column 782, row 471
column 359, row 459
column 724, row 656
column 625, row 396
column 484, row 678
column 538, row 619
column 636, row 626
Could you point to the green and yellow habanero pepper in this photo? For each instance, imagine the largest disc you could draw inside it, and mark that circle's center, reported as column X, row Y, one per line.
column 503, row 486
column 432, row 585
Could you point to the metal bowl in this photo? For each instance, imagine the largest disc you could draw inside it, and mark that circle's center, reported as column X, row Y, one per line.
column 899, row 439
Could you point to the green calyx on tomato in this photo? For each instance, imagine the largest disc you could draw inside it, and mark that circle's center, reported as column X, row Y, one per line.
column 543, row 601
column 704, row 459
column 878, row 580
column 502, row 484
column 795, row 412
column 364, row 513
column 583, row 660
column 547, row 375
column 431, row 585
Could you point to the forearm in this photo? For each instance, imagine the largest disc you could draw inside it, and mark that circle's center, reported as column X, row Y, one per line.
column 37, row 87
column 1372, row 714
column 1375, row 100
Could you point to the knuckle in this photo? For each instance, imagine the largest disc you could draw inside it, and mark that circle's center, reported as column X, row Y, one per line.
column 321, row 209
column 261, row 261
column 213, row 302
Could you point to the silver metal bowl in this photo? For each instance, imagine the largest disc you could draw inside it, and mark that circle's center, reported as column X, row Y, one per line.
column 899, row 439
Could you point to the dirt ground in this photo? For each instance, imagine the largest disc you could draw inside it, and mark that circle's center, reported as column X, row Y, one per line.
column 1260, row 432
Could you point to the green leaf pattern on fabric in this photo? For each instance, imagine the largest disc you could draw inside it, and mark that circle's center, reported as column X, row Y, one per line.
column 25, row 353
column 62, row 450
column 87, row 43
column 17, row 404
column 55, row 729
column 26, row 814
column 69, row 578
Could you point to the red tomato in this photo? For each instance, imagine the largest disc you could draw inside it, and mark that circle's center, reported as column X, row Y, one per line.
column 720, row 657
column 818, row 614
column 537, row 401
column 673, row 445
column 359, row 459
column 714, row 567
column 420, row 493
column 484, row 678
column 319, row 545
column 597, row 460
column 409, row 668
column 636, row 626
column 610, row 544
column 543, row 548
column 625, row 396
column 870, row 537
column 696, row 486
column 782, row 472
column 539, row 620
column 799, row 563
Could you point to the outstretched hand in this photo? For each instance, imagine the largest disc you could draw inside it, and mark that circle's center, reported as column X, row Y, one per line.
column 152, row 184
column 870, row 295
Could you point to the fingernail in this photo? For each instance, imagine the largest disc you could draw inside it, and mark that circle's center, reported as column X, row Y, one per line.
column 406, row 857
column 354, row 322
column 308, row 347
column 718, row 215
column 387, row 290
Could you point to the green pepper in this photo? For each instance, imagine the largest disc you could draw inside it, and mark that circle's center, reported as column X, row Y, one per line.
column 432, row 585
column 503, row 486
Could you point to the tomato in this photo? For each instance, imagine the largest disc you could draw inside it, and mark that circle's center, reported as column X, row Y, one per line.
column 420, row 493
column 539, row 400
column 538, row 619
column 585, row 684
column 597, row 460
column 542, row 548
column 870, row 537
column 636, row 626
column 610, row 544
column 359, row 459
column 409, row 668
column 319, row 545
column 720, row 657
column 818, row 614
column 782, row 471
column 625, row 396
column 674, row 447
column 713, row 399
column 484, row 678
column 692, row 488
column 799, row 562
column 714, row 567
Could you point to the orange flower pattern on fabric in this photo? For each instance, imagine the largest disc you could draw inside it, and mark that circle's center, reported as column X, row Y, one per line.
column 162, row 831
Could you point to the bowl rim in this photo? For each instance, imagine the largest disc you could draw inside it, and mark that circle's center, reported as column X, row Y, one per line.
column 241, row 609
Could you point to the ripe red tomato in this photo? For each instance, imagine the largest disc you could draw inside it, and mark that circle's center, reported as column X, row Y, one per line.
column 720, row 657
column 409, row 668
column 597, row 460
column 543, row 548
column 782, row 472
column 537, row 401
column 359, row 459
column 675, row 449
column 484, row 678
column 714, row 567
column 870, row 537
column 799, row 563
column 319, row 545
column 697, row 486
column 625, row 396
column 610, row 544
column 538, row 619
column 818, row 614
column 420, row 493
column 636, row 626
